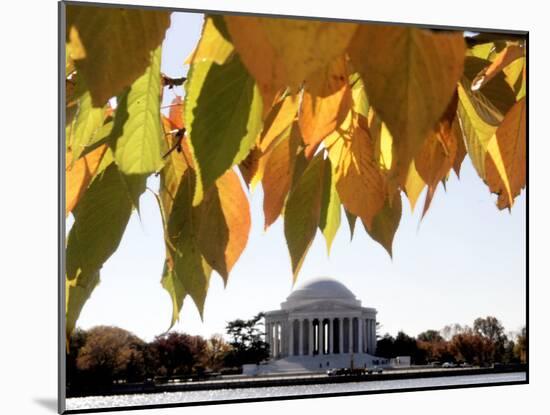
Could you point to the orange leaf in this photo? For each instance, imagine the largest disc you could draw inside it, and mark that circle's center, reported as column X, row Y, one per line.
column 278, row 174
column 410, row 76
column 282, row 53
column 224, row 223
column 511, row 142
column 79, row 174
column 325, row 104
column 503, row 59
column 176, row 112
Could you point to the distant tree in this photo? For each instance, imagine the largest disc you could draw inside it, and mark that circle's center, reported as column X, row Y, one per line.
column 472, row 347
column 520, row 347
column 216, row 352
column 74, row 374
column 385, row 346
column 450, row 330
column 111, row 353
column 491, row 329
column 430, row 336
column 247, row 341
column 179, row 353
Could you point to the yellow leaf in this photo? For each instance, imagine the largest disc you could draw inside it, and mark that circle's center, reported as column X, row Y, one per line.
column 413, row 185
column 506, row 163
column 386, row 222
column 503, row 59
column 277, row 121
column 112, row 46
column 410, row 76
column 325, row 103
column 359, row 182
column 214, row 45
column 79, row 174
column 282, row 53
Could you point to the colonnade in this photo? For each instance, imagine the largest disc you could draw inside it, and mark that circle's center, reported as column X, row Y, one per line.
column 321, row 336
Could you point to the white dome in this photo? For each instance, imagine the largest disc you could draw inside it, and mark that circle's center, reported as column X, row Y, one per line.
column 322, row 289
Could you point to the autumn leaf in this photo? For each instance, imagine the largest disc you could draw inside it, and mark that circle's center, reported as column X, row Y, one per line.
column 175, row 114
column 278, row 120
column 278, row 173
column 88, row 121
column 223, row 115
column 187, row 271
column 78, row 175
column 137, row 136
column 385, row 223
column 225, row 219
column 215, row 43
column 302, row 212
column 359, row 182
column 506, row 166
column 112, row 47
column 460, row 146
column 413, row 185
column 325, row 103
column 282, row 53
column 504, row 58
column 329, row 220
column 410, row 76
column 352, row 219
column 100, row 220
column 437, row 155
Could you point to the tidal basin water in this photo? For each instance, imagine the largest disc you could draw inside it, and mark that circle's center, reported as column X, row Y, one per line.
column 251, row 393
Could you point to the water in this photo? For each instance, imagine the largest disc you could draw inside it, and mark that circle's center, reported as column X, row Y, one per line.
column 251, row 393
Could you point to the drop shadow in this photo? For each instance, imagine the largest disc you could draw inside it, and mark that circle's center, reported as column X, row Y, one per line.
column 48, row 403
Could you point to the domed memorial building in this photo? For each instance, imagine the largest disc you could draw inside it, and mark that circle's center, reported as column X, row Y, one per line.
column 321, row 325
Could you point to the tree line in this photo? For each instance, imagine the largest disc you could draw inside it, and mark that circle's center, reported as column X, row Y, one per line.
column 482, row 344
column 104, row 355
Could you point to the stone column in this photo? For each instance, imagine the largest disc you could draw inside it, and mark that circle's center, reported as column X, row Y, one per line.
column 321, row 337
column 373, row 335
column 341, row 336
column 359, row 335
column 300, row 337
column 291, row 337
column 268, row 337
column 311, row 337
column 330, row 336
column 276, row 339
column 350, row 326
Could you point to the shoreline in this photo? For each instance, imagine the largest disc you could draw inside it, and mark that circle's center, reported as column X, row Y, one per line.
column 293, row 380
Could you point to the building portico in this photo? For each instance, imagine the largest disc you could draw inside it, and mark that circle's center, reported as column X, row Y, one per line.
column 320, row 325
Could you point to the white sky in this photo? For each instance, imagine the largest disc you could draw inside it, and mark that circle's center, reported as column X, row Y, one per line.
column 465, row 260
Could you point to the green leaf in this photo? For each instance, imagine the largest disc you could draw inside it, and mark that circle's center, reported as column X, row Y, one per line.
column 479, row 124
column 88, row 122
column 137, row 132
column 100, row 220
column 223, row 113
column 171, row 283
column 386, row 222
column 329, row 220
column 111, row 47
column 303, row 211
column 187, row 271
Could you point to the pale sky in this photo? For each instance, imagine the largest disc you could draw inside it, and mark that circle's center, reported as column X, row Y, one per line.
column 465, row 260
